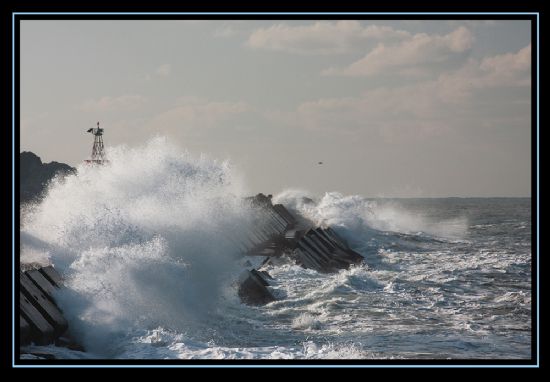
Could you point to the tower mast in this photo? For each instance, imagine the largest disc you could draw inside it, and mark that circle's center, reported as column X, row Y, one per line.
column 98, row 151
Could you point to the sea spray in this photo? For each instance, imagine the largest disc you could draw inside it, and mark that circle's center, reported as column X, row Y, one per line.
column 359, row 215
column 443, row 278
column 143, row 241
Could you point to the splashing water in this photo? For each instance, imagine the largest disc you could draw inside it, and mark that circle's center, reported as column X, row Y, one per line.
column 357, row 214
column 142, row 241
column 149, row 247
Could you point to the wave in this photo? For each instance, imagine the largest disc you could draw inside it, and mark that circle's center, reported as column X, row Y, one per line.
column 149, row 247
column 143, row 241
column 360, row 215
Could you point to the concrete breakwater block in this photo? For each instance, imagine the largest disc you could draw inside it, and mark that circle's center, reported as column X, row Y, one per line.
column 42, row 283
column 41, row 332
column 253, row 288
column 41, row 321
column 271, row 224
column 321, row 249
column 41, row 303
column 293, row 236
column 51, row 274
column 24, row 331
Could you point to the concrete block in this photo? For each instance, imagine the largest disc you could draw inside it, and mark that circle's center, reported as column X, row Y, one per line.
column 312, row 258
column 42, row 333
column 51, row 274
column 303, row 259
column 24, row 331
column 323, row 240
column 252, row 238
column 281, row 210
column 272, row 224
column 259, row 277
column 266, row 274
column 309, row 240
column 42, row 283
column 281, row 223
column 252, row 290
column 41, row 303
column 293, row 236
column 337, row 238
column 259, row 234
column 329, row 238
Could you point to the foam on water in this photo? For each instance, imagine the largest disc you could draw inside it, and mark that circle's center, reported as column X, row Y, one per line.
column 149, row 246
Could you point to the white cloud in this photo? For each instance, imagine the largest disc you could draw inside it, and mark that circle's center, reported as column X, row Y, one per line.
column 416, row 111
column 408, row 112
column 197, row 113
column 409, row 54
column 322, row 37
column 126, row 102
column 164, row 70
column 504, row 70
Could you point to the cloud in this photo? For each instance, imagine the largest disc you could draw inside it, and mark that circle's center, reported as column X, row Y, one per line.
column 408, row 112
column 426, row 109
column 504, row 70
column 164, row 70
column 322, row 37
column 198, row 113
column 410, row 54
column 126, row 102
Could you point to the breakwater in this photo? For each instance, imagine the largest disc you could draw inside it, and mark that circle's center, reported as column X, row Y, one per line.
column 276, row 235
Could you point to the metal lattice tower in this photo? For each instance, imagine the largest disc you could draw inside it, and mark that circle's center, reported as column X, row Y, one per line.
column 98, row 152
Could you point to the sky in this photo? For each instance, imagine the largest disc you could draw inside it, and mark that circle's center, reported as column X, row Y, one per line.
column 410, row 108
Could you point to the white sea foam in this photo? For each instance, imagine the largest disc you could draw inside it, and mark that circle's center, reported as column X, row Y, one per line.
column 358, row 214
column 142, row 241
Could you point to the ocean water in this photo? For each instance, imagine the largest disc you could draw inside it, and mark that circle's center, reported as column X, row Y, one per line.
column 149, row 247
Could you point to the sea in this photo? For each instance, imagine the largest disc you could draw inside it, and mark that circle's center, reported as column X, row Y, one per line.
column 149, row 248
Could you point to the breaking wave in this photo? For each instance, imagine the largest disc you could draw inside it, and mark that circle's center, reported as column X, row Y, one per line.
column 143, row 241
column 149, row 247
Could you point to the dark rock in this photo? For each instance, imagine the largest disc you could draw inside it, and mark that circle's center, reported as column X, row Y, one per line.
column 35, row 175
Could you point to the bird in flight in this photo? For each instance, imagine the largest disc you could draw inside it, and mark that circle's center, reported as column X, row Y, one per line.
column 320, row 163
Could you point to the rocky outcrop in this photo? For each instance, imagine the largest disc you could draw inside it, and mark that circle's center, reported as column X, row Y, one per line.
column 35, row 175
